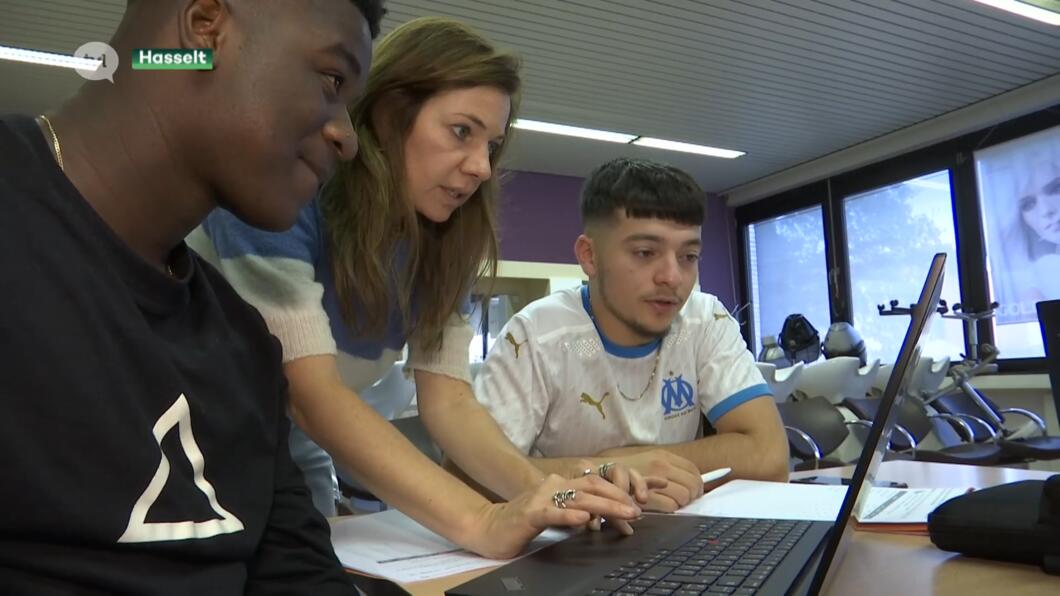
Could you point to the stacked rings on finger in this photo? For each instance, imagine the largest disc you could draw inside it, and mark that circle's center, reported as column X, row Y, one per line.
column 560, row 497
column 605, row 468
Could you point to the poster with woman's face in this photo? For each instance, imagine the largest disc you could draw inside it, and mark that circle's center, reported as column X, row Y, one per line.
column 1019, row 185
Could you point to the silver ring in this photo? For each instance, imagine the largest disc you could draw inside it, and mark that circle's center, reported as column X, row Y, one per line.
column 560, row 497
column 605, row 468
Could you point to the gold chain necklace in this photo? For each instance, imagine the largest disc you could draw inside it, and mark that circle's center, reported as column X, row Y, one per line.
column 59, row 159
column 654, row 369
column 55, row 141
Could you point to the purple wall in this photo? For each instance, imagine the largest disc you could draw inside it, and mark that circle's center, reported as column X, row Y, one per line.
column 539, row 221
column 539, row 217
column 717, row 267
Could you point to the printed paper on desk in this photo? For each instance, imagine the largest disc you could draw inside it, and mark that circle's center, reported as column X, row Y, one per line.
column 904, row 505
column 393, row 546
column 777, row 500
column 770, row 500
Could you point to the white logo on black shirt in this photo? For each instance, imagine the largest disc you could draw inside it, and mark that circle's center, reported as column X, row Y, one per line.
column 138, row 530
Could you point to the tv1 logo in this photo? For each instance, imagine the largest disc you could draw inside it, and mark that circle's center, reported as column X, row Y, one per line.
column 108, row 57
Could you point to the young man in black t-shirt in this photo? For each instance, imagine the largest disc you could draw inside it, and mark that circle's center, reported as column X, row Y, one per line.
column 143, row 438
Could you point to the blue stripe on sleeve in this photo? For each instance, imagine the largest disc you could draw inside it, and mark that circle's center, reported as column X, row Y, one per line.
column 737, row 399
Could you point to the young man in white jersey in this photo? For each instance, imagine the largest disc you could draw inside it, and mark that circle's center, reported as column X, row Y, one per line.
column 624, row 369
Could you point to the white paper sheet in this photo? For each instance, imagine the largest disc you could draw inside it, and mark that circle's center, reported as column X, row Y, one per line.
column 904, row 505
column 770, row 500
column 392, row 545
column 776, row 500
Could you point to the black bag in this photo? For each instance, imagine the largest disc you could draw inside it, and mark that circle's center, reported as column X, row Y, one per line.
column 799, row 340
column 1013, row 522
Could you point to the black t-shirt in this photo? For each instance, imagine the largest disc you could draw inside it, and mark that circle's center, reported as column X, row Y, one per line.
column 143, row 440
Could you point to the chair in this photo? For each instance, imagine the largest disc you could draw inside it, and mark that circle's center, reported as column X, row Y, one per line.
column 414, row 430
column 928, row 376
column 815, row 429
column 914, row 424
column 781, row 381
column 394, row 387
column 1041, row 447
column 925, row 379
column 392, row 394
column 837, row 378
column 883, row 374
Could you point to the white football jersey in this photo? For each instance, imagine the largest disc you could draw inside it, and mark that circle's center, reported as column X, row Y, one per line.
column 559, row 388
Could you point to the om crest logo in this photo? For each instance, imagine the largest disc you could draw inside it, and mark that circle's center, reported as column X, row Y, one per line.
column 677, row 395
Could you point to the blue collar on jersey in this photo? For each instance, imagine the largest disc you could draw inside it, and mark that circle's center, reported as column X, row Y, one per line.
column 610, row 346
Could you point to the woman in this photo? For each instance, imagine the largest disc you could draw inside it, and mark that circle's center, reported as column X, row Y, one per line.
column 1031, row 242
column 388, row 254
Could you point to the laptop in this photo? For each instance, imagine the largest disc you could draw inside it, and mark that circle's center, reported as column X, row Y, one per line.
column 1049, row 319
column 686, row 554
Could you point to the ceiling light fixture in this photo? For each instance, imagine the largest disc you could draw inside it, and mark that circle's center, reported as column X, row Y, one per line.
column 687, row 147
column 1045, row 11
column 618, row 137
column 48, row 58
column 573, row 131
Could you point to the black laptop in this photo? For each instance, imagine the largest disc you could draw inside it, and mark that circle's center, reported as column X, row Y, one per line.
column 685, row 555
column 1049, row 319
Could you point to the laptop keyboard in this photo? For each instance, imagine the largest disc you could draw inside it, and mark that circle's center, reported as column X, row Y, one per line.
column 726, row 556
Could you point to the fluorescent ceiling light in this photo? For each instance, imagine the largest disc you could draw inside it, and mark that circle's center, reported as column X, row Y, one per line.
column 573, row 131
column 618, row 137
column 687, row 147
column 1032, row 9
column 48, row 58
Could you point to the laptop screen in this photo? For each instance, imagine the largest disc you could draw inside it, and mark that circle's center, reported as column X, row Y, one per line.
column 876, row 441
column 1049, row 318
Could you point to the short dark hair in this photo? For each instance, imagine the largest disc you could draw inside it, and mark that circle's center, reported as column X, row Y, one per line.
column 373, row 12
column 645, row 189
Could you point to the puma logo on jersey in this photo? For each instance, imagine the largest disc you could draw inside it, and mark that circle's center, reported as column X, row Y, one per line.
column 515, row 344
column 599, row 405
column 721, row 313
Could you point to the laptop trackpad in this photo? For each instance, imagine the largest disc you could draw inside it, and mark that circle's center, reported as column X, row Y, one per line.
column 580, row 561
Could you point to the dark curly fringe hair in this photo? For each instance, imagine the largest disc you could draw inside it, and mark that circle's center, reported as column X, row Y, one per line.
column 643, row 189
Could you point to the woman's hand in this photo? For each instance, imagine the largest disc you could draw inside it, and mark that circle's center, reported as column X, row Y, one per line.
column 506, row 528
column 629, row 481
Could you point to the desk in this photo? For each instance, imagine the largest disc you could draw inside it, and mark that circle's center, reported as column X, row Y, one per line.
column 893, row 565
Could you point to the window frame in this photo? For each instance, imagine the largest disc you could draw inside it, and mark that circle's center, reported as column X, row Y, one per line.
column 955, row 155
column 841, row 204
column 748, row 328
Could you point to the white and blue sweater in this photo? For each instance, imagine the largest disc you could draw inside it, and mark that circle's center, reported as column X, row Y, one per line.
column 287, row 276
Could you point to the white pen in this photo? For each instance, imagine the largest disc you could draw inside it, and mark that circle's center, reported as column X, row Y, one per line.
column 713, row 475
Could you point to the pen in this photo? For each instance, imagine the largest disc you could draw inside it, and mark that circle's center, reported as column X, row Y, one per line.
column 846, row 481
column 713, row 475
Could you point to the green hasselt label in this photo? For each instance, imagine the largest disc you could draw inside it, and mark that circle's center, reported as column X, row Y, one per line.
column 172, row 59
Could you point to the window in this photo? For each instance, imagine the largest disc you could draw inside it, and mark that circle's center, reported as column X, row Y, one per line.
column 892, row 234
column 487, row 324
column 787, row 268
column 1019, row 187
